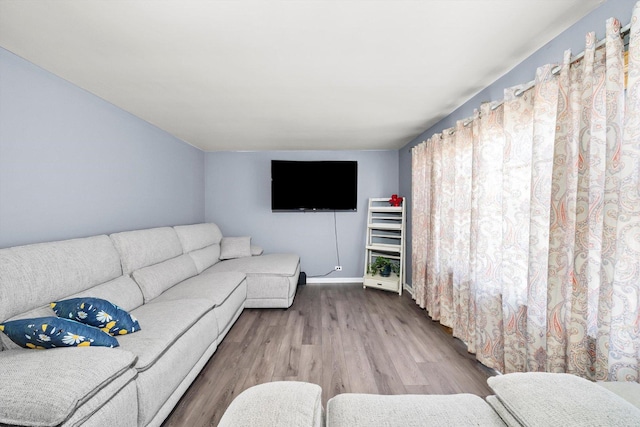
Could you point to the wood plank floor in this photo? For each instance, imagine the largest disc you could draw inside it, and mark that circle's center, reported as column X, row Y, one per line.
column 340, row 336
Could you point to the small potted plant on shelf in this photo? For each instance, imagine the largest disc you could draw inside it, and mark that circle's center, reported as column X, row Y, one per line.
column 384, row 266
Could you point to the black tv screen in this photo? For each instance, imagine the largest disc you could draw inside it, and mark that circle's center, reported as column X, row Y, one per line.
column 314, row 185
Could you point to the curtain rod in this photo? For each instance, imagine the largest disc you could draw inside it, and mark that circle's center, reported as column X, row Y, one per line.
column 555, row 70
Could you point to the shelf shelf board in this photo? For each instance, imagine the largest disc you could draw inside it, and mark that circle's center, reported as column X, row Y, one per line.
column 379, row 226
column 393, row 277
column 396, row 249
column 386, row 209
column 391, row 283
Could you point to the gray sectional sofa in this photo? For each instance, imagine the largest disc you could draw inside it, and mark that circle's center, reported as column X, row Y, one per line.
column 172, row 279
column 521, row 399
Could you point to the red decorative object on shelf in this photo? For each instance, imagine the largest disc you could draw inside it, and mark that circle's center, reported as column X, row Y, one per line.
column 395, row 200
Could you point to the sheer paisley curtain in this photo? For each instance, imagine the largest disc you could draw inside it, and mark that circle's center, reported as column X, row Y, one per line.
column 526, row 219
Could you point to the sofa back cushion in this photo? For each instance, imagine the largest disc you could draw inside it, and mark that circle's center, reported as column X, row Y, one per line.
column 123, row 292
column 32, row 276
column 198, row 236
column 142, row 248
column 205, row 257
column 155, row 279
column 201, row 242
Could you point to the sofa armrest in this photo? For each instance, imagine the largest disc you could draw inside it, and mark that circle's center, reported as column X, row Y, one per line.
column 46, row 387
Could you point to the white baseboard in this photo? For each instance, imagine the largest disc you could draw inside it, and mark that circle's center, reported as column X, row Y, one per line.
column 311, row 280
column 408, row 289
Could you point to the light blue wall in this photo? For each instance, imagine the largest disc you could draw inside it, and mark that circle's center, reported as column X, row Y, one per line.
column 573, row 38
column 73, row 165
column 238, row 199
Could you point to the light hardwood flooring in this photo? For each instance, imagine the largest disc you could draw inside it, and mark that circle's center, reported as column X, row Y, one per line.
column 340, row 336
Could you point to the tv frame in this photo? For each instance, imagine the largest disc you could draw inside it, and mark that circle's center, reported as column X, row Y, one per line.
column 310, row 164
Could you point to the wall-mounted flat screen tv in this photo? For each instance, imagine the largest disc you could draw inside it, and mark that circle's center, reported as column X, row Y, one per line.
column 330, row 185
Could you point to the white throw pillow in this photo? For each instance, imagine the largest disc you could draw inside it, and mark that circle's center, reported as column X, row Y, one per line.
column 235, row 247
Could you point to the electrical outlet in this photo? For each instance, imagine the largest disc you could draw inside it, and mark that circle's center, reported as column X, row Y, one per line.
column 338, row 268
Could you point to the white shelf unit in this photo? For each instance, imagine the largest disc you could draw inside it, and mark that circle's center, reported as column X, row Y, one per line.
column 385, row 238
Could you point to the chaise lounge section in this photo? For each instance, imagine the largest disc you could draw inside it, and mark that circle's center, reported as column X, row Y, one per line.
column 272, row 279
column 170, row 278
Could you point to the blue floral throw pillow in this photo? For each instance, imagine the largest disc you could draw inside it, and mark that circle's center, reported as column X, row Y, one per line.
column 51, row 332
column 97, row 312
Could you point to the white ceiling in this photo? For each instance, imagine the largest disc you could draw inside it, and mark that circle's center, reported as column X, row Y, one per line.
column 285, row 75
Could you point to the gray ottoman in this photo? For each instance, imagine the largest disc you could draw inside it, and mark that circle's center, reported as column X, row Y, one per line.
column 279, row 403
column 410, row 410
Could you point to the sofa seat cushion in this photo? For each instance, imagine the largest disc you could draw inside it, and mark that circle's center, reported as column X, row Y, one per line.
column 504, row 413
column 411, row 410
column 160, row 386
column 271, row 279
column 214, row 288
column 163, row 322
column 270, row 264
column 545, row 399
column 45, row 388
column 230, row 310
column 120, row 409
column 279, row 403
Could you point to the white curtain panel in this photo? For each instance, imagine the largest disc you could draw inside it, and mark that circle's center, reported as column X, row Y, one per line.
column 526, row 219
